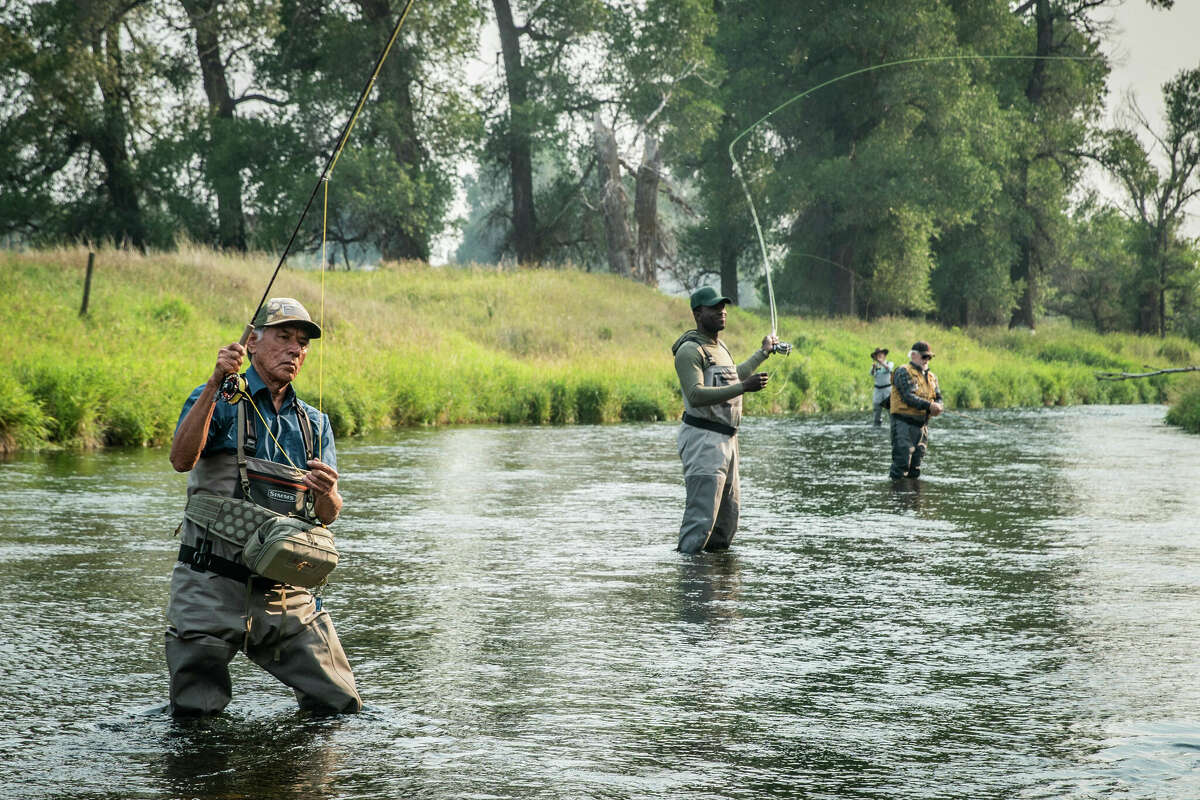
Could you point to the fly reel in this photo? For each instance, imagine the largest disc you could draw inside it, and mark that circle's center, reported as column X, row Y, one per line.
column 233, row 389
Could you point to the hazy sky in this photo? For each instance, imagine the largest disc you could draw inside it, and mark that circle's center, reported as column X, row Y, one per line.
column 1148, row 48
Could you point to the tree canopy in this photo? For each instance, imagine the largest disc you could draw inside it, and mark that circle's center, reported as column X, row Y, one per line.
column 948, row 185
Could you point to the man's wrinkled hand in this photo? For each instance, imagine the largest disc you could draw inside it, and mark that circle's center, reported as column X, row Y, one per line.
column 321, row 478
column 229, row 362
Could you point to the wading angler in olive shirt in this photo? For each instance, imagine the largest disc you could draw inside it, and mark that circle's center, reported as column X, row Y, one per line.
column 712, row 386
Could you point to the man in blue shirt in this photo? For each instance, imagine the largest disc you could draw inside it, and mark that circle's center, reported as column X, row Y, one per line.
column 217, row 606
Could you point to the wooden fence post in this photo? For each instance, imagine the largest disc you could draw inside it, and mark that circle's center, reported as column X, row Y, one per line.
column 87, row 284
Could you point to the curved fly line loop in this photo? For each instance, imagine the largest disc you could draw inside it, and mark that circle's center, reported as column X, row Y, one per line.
column 737, row 167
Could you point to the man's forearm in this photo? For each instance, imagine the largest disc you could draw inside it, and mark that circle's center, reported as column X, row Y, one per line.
column 747, row 367
column 192, row 432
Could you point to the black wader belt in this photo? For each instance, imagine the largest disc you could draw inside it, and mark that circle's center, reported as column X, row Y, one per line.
column 202, row 561
column 709, row 425
column 918, row 421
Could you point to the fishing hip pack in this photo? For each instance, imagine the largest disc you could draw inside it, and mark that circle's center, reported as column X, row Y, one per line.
column 287, row 549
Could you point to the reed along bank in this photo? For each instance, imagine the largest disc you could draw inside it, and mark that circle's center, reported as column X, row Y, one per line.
column 410, row 344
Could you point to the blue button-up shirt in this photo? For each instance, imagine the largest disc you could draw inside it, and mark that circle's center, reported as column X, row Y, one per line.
column 285, row 425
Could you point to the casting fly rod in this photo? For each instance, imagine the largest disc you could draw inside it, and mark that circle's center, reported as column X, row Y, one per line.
column 234, row 385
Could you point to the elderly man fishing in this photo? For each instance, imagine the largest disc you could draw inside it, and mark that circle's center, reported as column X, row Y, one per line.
column 916, row 397
column 251, row 504
column 712, row 399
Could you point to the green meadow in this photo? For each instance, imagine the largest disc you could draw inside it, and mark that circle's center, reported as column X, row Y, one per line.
column 408, row 344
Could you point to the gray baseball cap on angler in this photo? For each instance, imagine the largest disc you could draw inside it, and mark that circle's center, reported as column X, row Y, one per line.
column 707, row 296
column 286, row 311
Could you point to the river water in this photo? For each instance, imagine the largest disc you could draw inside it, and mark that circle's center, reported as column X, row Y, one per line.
column 1022, row 623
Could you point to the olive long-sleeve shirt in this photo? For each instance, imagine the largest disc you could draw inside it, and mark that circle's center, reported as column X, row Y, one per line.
column 690, row 363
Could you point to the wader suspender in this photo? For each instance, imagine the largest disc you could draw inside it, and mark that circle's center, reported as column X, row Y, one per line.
column 247, row 439
column 709, row 361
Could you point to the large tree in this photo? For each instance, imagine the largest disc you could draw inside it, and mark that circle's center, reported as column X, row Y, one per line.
column 221, row 30
column 595, row 102
column 391, row 187
column 873, row 168
column 75, row 76
column 1160, row 184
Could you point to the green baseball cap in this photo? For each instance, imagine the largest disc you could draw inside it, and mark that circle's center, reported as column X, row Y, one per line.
column 707, row 296
column 286, row 311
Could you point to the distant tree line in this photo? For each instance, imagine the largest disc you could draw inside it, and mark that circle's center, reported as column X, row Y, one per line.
column 599, row 135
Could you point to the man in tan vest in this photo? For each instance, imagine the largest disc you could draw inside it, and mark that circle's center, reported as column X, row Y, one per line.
column 712, row 399
column 916, row 397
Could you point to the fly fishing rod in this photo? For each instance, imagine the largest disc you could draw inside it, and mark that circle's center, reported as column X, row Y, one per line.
column 234, row 385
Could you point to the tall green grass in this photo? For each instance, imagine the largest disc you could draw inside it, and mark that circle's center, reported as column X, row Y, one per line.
column 408, row 344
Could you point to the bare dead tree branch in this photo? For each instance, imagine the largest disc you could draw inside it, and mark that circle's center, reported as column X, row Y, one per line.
column 1121, row 376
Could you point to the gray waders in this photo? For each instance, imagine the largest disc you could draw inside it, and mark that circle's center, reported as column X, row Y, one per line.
column 708, row 448
column 211, row 616
column 710, row 476
column 910, row 439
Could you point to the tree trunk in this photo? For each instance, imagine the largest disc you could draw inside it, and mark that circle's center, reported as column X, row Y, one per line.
column 613, row 201
column 520, row 148
column 224, row 163
column 109, row 139
column 844, row 284
column 1025, row 313
column 645, row 209
column 730, row 228
column 403, row 240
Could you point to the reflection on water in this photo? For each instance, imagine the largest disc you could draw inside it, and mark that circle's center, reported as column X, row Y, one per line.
column 1019, row 623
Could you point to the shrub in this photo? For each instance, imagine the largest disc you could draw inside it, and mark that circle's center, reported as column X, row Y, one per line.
column 1175, row 352
column 964, row 392
column 1121, row 392
column 591, row 402
column 172, row 310
column 341, row 418
column 526, row 404
column 798, row 377
column 642, row 406
column 71, row 397
column 1075, row 354
column 1185, row 412
column 130, row 422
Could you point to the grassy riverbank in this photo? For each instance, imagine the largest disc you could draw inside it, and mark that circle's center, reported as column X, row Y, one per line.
column 414, row 345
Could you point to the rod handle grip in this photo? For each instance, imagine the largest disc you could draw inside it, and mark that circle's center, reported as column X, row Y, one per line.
column 246, row 334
